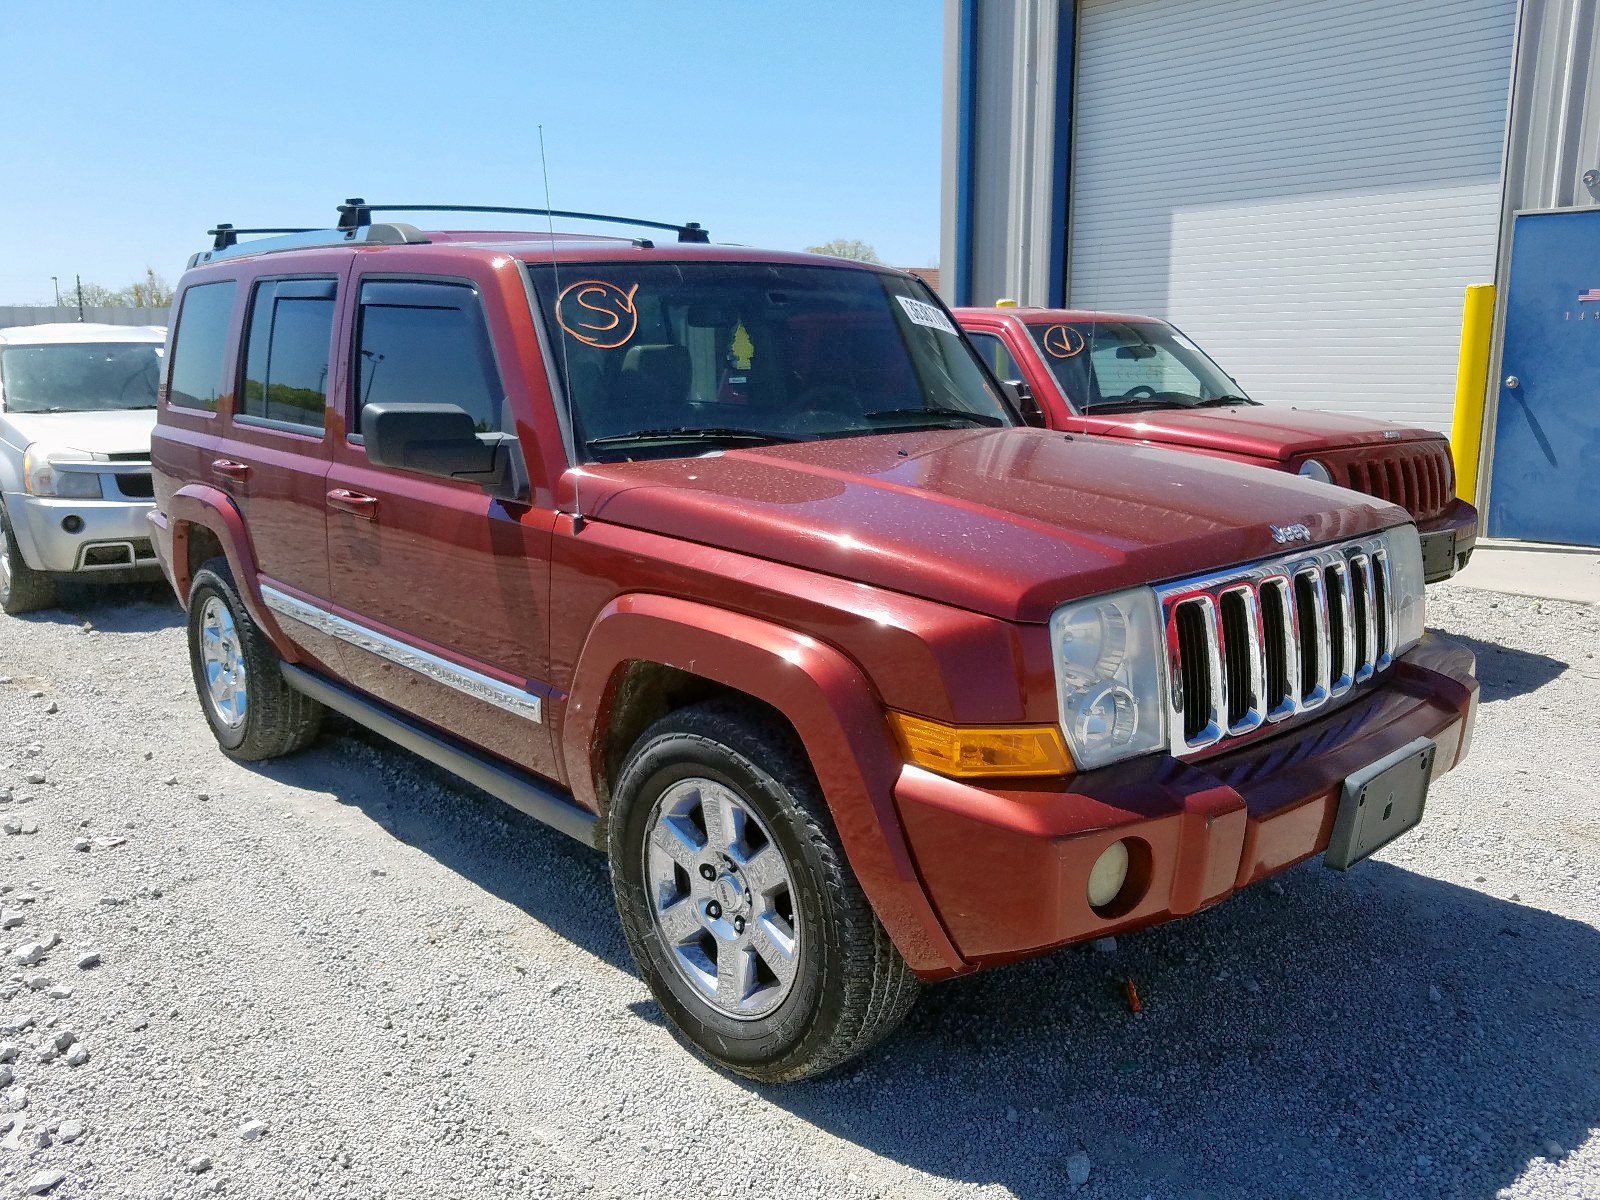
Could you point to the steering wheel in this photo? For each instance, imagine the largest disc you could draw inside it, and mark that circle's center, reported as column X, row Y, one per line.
column 823, row 405
column 139, row 374
column 1133, row 393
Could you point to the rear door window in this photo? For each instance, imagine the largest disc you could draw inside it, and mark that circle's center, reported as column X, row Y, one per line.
column 285, row 376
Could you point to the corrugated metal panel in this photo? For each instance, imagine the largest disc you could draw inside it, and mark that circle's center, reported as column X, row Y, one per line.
column 30, row 315
column 1555, row 111
column 1306, row 188
column 1004, row 195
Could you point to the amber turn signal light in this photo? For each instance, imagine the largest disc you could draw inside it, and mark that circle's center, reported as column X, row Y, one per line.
column 968, row 752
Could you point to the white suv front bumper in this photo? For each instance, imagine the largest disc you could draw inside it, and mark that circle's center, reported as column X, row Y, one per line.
column 110, row 535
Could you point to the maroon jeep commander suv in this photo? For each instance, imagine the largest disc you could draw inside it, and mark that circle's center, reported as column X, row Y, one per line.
column 741, row 566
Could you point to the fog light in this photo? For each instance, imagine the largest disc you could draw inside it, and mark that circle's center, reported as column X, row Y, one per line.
column 72, row 524
column 1109, row 873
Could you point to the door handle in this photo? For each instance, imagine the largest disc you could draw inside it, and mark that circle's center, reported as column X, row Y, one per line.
column 355, row 503
column 229, row 469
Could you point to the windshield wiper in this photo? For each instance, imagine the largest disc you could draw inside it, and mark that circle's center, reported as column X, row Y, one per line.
column 1217, row 401
column 930, row 410
column 689, row 434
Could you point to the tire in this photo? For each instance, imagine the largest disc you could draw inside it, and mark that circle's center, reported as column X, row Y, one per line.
column 22, row 589
column 780, row 883
column 251, row 710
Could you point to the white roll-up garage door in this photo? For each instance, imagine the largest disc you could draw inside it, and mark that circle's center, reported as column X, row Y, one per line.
column 1304, row 187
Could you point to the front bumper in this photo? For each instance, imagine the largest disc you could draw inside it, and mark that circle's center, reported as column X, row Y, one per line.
column 1448, row 539
column 114, row 535
column 1008, row 870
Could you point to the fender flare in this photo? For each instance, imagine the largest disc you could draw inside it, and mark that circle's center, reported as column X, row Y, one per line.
column 831, row 705
column 200, row 504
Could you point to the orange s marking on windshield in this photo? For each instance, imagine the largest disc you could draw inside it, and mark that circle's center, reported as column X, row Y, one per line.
column 1062, row 341
column 598, row 313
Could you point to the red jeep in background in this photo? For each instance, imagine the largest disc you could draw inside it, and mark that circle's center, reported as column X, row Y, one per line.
column 1135, row 377
column 738, row 565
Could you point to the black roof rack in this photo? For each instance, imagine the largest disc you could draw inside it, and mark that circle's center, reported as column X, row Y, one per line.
column 355, row 224
column 356, row 212
column 226, row 243
column 226, row 235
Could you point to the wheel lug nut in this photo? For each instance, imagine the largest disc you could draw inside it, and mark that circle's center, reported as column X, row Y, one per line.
column 738, row 924
column 713, row 910
column 708, row 872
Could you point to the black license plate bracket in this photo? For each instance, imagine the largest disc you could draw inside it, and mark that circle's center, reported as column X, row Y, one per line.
column 1380, row 802
column 1438, row 553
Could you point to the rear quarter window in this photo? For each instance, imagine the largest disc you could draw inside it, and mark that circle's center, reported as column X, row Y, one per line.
column 198, row 342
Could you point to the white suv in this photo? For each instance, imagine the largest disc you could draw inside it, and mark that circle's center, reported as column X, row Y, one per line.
column 77, row 403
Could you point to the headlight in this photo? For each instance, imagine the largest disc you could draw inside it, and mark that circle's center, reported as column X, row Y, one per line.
column 1312, row 469
column 1404, row 549
column 1109, row 676
column 40, row 478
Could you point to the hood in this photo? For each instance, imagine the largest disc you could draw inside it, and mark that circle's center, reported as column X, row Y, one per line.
column 114, row 432
column 1272, row 431
column 1009, row 522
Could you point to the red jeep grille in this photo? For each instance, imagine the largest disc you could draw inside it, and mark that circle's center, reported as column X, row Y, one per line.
column 1418, row 477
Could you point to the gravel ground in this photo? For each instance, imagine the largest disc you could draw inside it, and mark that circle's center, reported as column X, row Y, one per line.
column 347, row 975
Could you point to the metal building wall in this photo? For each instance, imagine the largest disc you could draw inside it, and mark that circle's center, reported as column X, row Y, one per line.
column 1305, row 188
column 1008, row 87
column 31, row 315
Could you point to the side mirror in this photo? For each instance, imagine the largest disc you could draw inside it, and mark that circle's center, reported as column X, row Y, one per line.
column 435, row 439
column 1022, row 396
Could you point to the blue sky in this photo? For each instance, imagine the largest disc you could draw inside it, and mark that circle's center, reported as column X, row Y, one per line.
column 133, row 128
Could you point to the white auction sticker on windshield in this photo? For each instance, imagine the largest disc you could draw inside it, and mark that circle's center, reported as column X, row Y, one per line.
column 924, row 313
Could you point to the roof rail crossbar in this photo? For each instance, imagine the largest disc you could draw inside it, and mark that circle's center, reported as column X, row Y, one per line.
column 356, row 212
column 227, row 244
column 226, row 235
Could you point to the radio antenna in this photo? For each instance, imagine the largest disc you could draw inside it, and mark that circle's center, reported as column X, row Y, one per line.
column 566, row 365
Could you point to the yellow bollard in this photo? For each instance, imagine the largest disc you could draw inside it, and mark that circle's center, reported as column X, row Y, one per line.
column 1472, row 383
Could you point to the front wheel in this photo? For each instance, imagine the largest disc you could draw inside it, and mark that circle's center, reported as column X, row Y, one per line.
column 742, row 914
column 22, row 589
column 252, row 711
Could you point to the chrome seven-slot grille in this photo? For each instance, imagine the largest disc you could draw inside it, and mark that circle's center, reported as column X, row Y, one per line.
column 1265, row 643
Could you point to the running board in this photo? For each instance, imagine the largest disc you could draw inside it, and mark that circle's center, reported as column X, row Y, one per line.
column 523, row 790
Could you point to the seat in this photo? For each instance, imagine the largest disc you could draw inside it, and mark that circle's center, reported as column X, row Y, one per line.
column 652, row 389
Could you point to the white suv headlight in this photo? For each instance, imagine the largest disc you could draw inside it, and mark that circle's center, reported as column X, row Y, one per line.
column 1404, row 549
column 40, row 478
column 1110, row 676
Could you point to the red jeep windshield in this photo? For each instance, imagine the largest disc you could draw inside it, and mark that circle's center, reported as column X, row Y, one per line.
column 668, row 359
column 1127, row 365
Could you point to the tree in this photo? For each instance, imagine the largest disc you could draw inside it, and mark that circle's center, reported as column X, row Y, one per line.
column 150, row 292
column 847, row 248
column 153, row 292
column 94, row 295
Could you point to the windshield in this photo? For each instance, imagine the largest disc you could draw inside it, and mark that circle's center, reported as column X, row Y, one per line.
column 671, row 359
column 79, row 377
column 1123, row 365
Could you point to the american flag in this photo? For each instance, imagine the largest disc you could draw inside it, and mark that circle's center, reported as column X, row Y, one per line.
column 1589, row 294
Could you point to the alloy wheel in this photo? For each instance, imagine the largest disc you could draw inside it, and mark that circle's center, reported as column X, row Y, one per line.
column 222, row 657
column 722, row 898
